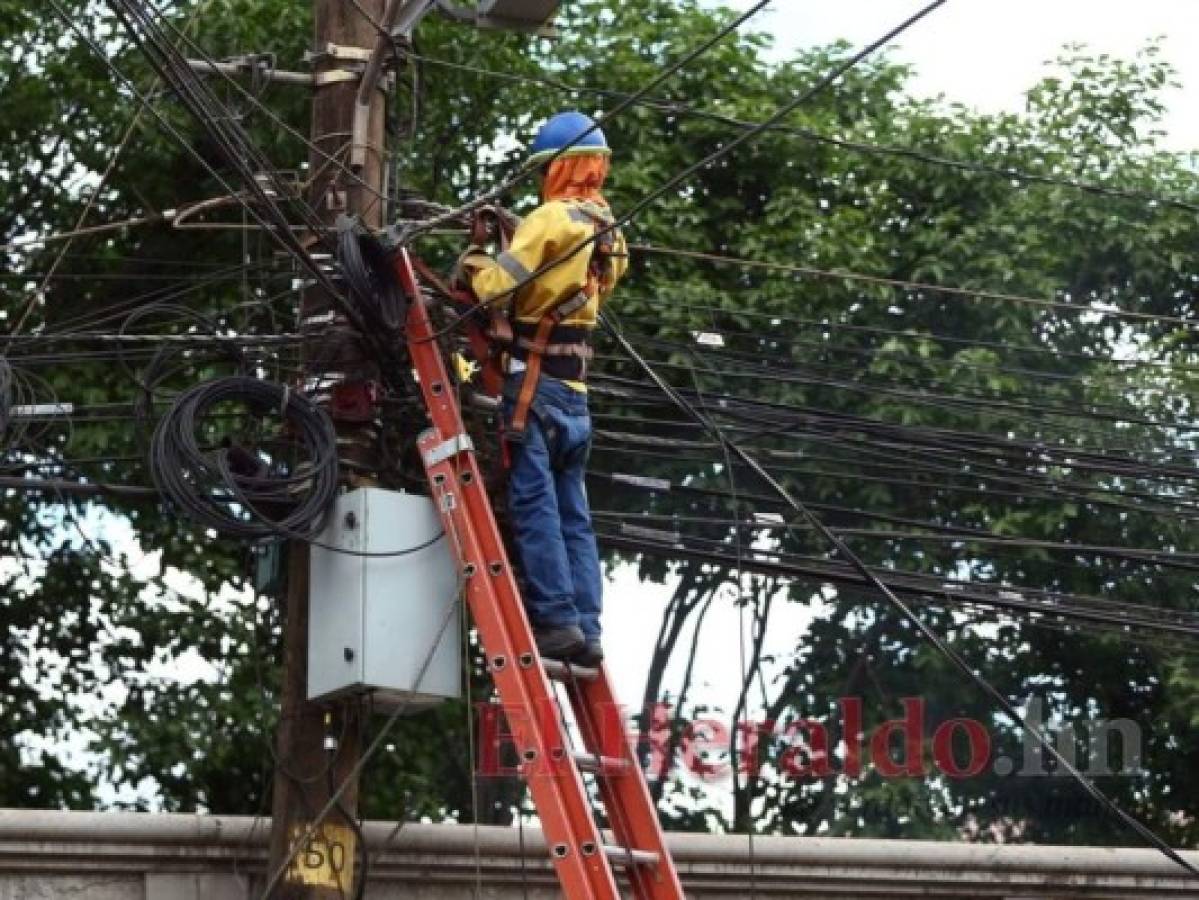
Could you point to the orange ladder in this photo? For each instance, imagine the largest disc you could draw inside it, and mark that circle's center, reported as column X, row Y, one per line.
column 585, row 865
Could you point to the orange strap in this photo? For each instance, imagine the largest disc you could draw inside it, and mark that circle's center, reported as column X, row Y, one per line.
column 520, row 415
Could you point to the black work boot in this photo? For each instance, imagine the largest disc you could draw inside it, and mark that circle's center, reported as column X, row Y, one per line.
column 559, row 643
column 590, row 656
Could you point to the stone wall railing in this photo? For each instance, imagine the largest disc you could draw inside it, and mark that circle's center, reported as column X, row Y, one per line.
column 140, row 856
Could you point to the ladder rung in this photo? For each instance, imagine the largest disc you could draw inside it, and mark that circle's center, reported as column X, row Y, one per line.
column 560, row 671
column 630, row 857
column 599, row 765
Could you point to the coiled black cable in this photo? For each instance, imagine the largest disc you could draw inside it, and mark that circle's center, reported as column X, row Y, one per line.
column 237, row 490
column 366, row 265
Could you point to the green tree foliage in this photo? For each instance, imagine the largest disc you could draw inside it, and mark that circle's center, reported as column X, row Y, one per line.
column 85, row 634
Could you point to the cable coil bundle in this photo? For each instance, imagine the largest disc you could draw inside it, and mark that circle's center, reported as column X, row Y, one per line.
column 235, row 490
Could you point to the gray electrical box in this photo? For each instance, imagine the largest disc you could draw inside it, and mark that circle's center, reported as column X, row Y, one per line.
column 373, row 619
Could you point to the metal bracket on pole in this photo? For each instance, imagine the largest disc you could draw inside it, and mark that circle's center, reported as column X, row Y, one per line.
column 334, row 76
column 246, row 66
column 356, row 57
column 41, row 410
column 358, row 135
column 339, row 53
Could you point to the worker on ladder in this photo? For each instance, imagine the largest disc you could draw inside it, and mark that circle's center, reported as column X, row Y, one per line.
column 545, row 290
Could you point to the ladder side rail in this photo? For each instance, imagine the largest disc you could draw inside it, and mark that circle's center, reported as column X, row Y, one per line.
column 631, row 811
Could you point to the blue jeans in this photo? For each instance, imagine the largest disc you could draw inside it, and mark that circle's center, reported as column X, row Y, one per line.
column 547, row 501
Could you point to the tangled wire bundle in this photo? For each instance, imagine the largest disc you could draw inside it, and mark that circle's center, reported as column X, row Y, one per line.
column 366, row 266
column 238, row 490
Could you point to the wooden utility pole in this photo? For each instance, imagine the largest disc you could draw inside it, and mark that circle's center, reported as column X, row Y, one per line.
column 318, row 744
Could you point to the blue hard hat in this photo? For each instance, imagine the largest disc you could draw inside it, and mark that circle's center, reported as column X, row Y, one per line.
column 573, row 130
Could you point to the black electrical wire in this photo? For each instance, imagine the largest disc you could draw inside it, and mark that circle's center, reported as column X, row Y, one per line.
column 262, row 184
column 687, row 304
column 774, row 503
column 934, row 534
column 261, row 181
column 1077, row 609
column 1009, row 600
column 118, row 310
column 1037, row 442
column 1088, row 307
column 1000, row 404
column 242, row 491
column 608, row 443
column 1040, row 486
column 774, row 341
column 130, row 15
column 769, row 419
column 327, row 159
column 869, row 351
column 103, row 276
column 119, row 256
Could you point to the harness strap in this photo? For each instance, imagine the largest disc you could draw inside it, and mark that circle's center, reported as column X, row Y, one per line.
column 577, row 349
column 528, row 388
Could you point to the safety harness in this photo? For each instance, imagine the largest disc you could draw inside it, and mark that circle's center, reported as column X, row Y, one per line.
column 549, row 347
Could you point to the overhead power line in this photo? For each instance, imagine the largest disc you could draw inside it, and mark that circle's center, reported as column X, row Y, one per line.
column 846, row 275
column 685, row 110
column 684, row 303
column 1038, row 410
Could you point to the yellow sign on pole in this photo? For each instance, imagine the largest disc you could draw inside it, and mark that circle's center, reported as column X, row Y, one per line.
column 327, row 859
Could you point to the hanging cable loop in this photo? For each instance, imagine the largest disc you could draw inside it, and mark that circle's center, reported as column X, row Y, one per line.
column 277, row 486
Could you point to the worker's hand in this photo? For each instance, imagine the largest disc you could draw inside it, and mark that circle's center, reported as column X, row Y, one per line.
column 473, row 257
column 509, row 221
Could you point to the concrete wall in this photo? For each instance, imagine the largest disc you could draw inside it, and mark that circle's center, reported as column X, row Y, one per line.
column 133, row 856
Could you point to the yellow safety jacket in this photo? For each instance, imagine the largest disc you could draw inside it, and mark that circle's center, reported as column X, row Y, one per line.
column 576, row 287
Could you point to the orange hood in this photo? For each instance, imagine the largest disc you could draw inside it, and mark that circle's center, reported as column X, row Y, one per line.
column 578, row 177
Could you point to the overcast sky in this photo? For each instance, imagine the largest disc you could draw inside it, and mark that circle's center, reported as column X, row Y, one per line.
column 985, row 54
